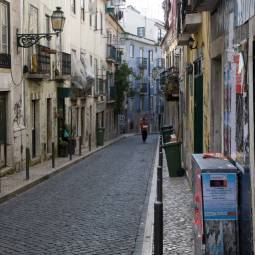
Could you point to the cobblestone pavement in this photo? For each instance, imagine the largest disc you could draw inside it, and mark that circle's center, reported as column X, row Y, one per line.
column 95, row 207
column 177, row 203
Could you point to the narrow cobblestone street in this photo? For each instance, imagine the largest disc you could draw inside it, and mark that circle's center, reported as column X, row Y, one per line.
column 177, row 203
column 95, row 207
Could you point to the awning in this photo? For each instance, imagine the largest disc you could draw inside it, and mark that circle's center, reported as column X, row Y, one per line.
column 82, row 74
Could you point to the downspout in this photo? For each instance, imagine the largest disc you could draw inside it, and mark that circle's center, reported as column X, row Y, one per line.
column 251, row 119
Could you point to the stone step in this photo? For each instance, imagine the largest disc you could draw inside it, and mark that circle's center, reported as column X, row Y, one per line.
column 6, row 171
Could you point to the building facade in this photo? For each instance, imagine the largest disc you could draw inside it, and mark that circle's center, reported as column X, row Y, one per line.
column 12, row 122
column 58, row 84
column 114, row 54
column 213, row 41
column 144, row 55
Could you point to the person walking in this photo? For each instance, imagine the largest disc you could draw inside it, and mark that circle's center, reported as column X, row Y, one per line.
column 144, row 126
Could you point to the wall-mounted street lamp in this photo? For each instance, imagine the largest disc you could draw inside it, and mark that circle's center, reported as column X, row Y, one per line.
column 191, row 43
column 57, row 21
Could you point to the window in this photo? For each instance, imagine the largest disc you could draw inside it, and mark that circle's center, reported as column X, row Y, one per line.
column 73, row 6
column 141, row 52
column 131, row 51
column 109, row 37
column 33, row 20
column 83, row 10
column 151, row 55
column 90, row 20
column 96, row 21
column 4, row 28
column 91, row 60
column 47, row 20
column 141, row 31
column 101, row 20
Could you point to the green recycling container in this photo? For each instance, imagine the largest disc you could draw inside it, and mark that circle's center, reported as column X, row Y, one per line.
column 173, row 158
column 166, row 133
column 100, row 136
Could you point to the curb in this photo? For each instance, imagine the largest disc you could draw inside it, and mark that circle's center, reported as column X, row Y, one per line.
column 147, row 248
column 57, row 170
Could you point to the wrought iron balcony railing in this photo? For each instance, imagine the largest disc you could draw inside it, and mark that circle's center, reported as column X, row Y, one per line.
column 111, row 95
column 142, row 63
column 143, row 88
column 39, row 63
column 160, row 62
column 5, row 60
column 63, row 65
column 111, row 55
column 100, row 87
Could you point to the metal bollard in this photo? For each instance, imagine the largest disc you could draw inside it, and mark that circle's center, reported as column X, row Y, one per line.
column 90, row 142
column 27, row 163
column 158, row 228
column 159, row 184
column 70, row 149
column 80, row 145
column 53, row 154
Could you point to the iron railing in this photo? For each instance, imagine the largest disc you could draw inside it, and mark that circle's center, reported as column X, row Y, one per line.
column 40, row 60
column 111, row 53
column 142, row 63
column 5, row 60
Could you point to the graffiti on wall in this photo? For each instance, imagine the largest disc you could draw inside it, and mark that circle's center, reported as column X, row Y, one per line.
column 236, row 117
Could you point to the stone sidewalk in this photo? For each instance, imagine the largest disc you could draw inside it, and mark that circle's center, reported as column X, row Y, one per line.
column 14, row 184
column 178, row 215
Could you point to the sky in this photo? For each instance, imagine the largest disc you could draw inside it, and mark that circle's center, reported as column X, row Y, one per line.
column 150, row 8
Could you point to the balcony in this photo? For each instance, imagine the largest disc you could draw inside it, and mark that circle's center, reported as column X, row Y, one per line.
column 142, row 63
column 119, row 57
column 111, row 55
column 203, row 5
column 5, row 60
column 100, row 88
column 63, row 67
column 39, row 63
column 183, row 40
column 131, row 93
column 143, row 90
column 111, row 95
column 160, row 63
column 191, row 23
column 170, row 83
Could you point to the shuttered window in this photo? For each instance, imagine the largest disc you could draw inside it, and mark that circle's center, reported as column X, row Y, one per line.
column 4, row 27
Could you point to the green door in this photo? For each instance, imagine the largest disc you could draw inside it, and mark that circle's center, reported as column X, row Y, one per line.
column 198, row 109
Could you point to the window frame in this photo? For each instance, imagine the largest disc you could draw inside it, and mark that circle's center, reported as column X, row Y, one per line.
column 131, row 52
column 83, row 10
column 7, row 4
column 73, row 6
column 142, row 29
column 47, row 28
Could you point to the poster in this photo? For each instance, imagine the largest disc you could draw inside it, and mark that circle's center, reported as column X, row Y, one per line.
column 220, row 196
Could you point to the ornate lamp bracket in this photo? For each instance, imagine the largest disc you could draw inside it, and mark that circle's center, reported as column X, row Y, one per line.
column 28, row 40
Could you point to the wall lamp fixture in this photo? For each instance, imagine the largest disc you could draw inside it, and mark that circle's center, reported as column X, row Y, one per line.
column 57, row 21
column 191, row 43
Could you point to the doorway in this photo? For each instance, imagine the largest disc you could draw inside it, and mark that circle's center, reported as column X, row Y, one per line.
column 198, row 107
column 216, row 106
column 3, row 133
